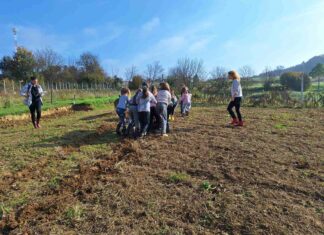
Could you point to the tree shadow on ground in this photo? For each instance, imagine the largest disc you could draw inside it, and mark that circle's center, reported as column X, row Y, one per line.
column 78, row 138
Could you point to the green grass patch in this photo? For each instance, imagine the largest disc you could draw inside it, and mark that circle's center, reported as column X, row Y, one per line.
column 280, row 126
column 178, row 177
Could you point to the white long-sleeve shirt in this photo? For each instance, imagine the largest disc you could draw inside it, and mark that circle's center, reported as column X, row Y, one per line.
column 163, row 96
column 236, row 89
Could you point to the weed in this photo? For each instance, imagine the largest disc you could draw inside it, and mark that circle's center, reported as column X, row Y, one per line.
column 206, row 186
column 280, row 126
column 54, row 183
column 178, row 177
column 74, row 213
column 4, row 211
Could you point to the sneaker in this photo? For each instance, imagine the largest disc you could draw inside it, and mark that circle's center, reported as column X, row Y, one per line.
column 234, row 121
column 165, row 135
column 240, row 123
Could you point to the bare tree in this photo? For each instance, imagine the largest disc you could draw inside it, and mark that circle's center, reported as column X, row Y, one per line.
column 246, row 71
column 47, row 58
column 186, row 70
column 154, row 71
column 218, row 73
column 267, row 72
column 130, row 72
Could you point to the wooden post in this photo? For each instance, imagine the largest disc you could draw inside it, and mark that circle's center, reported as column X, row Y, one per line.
column 4, row 86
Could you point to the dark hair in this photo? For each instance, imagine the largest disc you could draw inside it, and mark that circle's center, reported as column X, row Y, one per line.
column 145, row 93
column 33, row 78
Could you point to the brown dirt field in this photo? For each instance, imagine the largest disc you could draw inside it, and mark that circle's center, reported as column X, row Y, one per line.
column 205, row 178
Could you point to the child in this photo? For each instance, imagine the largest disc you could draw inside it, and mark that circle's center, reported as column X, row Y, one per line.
column 186, row 102
column 236, row 97
column 33, row 93
column 163, row 100
column 154, row 116
column 133, row 114
column 172, row 106
column 121, row 110
column 144, row 101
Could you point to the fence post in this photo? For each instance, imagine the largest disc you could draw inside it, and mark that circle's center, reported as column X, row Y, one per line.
column 13, row 86
column 4, row 86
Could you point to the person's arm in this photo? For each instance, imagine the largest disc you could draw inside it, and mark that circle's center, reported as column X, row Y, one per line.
column 153, row 99
column 24, row 90
column 40, row 90
column 235, row 89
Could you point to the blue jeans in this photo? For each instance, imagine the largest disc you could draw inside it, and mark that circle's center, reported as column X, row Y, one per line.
column 133, row 114
column 144, row 118
column 162, row 109
column 122, row 117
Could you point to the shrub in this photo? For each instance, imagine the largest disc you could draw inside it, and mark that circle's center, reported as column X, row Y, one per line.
column 267, row 85
column 292, row 80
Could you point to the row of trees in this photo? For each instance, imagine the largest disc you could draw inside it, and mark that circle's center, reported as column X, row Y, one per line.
column 51, row 67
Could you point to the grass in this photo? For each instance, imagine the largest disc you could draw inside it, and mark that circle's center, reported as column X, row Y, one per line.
column 280, row 126
column 13, row 104
column 75, row 175
column 178, row 177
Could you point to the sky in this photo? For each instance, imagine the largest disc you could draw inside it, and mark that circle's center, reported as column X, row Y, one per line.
column 122, row 33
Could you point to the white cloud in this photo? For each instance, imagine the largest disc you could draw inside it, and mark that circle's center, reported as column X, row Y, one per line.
column 150, row 25
column 36, row 38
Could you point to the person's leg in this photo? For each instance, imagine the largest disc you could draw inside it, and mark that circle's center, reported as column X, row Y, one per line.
column 121, row 119
column 146, row 119
column 230, row 111
column 39, row 113
column 237, row 103
column 157, row 119
column 131, row 124
column 151, row 119
column 164, row 118
column 32, row 110
column 169, row 110
column 141, row 118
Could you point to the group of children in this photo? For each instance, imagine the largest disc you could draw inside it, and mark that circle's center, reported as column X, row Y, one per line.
column 150, row 109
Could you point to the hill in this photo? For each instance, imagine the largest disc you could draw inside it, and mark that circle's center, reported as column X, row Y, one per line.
column 306, row 67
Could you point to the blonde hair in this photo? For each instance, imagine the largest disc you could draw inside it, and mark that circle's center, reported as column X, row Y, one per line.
column 165, row 86
column 234, row 75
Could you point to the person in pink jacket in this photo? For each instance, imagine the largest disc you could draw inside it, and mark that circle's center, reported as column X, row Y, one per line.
column 185, row 102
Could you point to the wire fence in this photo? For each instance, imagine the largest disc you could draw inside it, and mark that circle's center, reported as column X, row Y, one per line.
column 10, row 86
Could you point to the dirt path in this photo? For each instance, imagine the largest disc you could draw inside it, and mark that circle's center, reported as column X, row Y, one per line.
column 206, row 178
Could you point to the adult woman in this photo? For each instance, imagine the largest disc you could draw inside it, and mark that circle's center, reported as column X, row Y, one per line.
column 33, row 93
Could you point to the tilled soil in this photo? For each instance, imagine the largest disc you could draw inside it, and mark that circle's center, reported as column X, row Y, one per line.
column 205, row 178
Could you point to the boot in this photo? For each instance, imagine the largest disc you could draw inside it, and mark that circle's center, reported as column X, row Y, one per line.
column 37, row 124
column 234, row 121
column 118, row 129
column 240, row 123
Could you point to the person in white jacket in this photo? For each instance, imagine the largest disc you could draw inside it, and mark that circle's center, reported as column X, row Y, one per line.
column 33, row 93
column 236, row 98
column 163, row 99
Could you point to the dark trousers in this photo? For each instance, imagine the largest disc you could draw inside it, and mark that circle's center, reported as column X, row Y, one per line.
column 237, row 104
column 171, row 109
column 36, row 107
column 153, row 115
column 144, row 119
